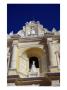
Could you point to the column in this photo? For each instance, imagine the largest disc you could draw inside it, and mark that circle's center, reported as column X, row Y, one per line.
column 14, row 54
column 58, row 59
column 52, row 55
column 58, row 55
column 8, row 58
column 23, row 66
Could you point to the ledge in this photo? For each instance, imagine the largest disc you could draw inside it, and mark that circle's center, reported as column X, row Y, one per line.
column 41, row 81
column 54, row 76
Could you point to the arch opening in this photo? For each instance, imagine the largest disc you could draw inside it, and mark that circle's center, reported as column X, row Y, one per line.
column 37, row 56
column 35, row 59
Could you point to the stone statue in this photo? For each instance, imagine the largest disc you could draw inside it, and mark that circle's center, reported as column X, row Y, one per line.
column 33, row 67
column 33, row 72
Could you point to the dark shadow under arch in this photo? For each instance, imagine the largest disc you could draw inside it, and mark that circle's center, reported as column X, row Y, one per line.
column 31, row 59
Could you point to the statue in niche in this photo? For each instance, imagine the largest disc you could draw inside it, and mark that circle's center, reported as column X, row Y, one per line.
column 33, row 71
column 33, row 67
column 32, row 30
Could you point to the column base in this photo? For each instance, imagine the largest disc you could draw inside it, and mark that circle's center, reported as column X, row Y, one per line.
column 12, row 72
column 54, row 69
column 54, row 77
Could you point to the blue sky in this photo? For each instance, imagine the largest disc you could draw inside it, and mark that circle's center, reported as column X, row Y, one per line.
column 19, row 14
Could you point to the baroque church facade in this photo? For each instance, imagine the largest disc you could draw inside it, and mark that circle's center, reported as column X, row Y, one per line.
column 33, row 56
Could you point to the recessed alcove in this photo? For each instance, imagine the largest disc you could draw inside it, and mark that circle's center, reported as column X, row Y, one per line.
column 35, row 59
column 38, row 55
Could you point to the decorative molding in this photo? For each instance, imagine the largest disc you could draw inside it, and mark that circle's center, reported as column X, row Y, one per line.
column 30, row 26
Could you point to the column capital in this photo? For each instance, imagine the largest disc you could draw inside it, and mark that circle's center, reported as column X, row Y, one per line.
column 49, row 40
column 53, row 42
column 15, row 42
